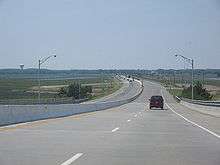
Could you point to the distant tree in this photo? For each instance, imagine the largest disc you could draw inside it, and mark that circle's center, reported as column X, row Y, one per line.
column 73, row 90
column 88, row 89
column 76, row 91
column 85, row 91
column 200, row 93
column 62, row 92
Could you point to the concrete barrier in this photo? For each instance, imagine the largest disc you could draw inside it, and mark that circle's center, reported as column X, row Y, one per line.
column 210, row 110
column 201, row 102
column 12, row 114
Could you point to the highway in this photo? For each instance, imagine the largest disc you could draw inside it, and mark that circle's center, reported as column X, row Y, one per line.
column 128, row 90
column 126, row 135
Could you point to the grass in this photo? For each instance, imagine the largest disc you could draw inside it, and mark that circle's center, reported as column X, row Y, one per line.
column 175, row 92
column 21, row 88
column 116, row 85
column 217, row 96
column 213, row 82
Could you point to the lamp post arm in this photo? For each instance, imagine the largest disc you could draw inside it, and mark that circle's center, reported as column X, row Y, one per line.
column 185, row 58
column 45, row 59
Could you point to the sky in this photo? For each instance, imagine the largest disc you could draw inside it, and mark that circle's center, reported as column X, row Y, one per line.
column 110, row 34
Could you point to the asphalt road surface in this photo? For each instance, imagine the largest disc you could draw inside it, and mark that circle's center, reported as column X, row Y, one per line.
column 126, row 135
column 128, row 90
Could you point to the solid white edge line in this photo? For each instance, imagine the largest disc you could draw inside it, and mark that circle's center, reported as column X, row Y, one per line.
column 115, row 129
column 128, row 120
column 205, row 129
column 14, row 125
column 193, row 123
column 71, row 160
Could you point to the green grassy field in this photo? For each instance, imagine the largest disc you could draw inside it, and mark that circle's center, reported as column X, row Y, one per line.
column 107, row 89
column 217, row 96
column 23, row 88
column 175, row 92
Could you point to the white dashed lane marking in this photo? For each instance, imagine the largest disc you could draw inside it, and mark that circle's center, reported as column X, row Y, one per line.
column 115, row 129
column 72, row 159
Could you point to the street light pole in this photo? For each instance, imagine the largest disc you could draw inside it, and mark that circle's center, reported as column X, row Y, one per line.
column 192, row 77
column 79, row 88
column 40, row 62
column 191, row 61
column 38, row 77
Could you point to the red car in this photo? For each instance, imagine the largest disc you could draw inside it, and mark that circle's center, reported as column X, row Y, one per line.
column 156, row 101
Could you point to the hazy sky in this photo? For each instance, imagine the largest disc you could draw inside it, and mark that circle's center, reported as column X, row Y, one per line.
column 115, row 34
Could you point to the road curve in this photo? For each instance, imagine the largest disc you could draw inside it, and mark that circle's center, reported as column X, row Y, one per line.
column 128, row 90
column 129, row 134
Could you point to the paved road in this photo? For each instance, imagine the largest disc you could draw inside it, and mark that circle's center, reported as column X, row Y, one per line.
column 128, row 90
column 129, row 134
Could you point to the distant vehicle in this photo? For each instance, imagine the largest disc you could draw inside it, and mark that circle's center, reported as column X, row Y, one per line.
column 156, row 101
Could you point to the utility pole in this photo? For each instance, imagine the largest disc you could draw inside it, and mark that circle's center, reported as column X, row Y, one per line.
column 182, row 81
column 191, row 61
column 38, row 77
column 170, row 82
column 192, row 77
column 40, row 62
column 79, row 88
column 203, row 77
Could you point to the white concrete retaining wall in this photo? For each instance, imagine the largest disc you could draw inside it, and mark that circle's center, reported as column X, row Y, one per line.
column 12, row 114
column 210, row 110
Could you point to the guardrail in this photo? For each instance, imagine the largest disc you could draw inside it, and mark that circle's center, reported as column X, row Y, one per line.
column 200, row 102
